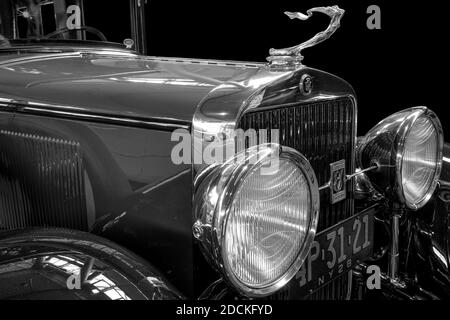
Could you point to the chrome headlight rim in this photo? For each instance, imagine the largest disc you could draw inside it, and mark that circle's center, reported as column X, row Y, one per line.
column 404, row 132
column 233, row 177
column 384, row 147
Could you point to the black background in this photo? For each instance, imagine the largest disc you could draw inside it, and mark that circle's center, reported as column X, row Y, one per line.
column 397, row 67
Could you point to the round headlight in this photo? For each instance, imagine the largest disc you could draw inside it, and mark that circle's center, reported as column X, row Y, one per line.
column 408, row 149
column 264, row 218
column 421, row 162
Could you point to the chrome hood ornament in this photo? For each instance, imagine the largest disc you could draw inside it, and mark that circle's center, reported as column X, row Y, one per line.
column 290, row 58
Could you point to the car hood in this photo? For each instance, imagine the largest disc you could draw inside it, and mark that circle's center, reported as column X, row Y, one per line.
column 118, row 83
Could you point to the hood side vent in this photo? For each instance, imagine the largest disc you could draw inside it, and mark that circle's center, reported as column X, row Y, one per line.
column 42, row 183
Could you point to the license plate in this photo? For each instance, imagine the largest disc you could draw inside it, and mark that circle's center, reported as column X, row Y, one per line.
column 336, row 251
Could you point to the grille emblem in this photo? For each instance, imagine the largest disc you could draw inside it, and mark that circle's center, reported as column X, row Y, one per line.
column 306, row 85
column 338, row 184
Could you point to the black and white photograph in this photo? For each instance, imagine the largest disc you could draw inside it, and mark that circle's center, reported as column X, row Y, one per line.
column 226, row 156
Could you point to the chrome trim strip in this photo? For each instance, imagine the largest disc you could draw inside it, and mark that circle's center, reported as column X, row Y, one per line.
column 80, row 114
column 149, row 189
column 225, row 63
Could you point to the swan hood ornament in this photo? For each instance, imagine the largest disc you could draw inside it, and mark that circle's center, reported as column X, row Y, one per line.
column 290, row 58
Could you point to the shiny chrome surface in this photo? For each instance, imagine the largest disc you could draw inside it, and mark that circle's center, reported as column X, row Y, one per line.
column 306, row 85
column 221, row 110
column 68, row 265
column 292, row 57
column 394, row 254
column 212, row 205
column 78, row 114
column 363, row 187
column 384, row 145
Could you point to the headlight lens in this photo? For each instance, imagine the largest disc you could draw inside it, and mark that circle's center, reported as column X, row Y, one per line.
column 267, row 225
column 420, row 160
column 407, row 147
column 259, row 218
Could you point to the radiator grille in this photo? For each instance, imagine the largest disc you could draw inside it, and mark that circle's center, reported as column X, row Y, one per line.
column 325, row 133
column 42, row 183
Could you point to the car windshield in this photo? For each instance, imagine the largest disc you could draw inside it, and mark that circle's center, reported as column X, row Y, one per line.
column 25, row 21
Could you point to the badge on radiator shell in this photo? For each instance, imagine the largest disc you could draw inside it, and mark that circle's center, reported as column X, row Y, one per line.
column 338, row 185
column 306, row 84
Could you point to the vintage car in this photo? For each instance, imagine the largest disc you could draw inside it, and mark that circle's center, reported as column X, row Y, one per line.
column 125, row 176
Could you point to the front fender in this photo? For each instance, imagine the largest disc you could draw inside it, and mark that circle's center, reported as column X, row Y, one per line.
column 432, row 235
column 63, row 264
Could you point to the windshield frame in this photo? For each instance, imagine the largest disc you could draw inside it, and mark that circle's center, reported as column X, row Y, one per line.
column 10, row 39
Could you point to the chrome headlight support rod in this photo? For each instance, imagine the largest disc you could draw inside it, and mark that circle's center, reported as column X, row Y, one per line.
column 398, row 212
column 350, row 177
